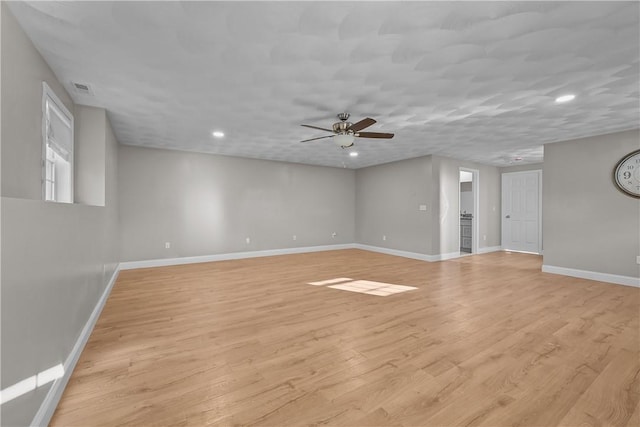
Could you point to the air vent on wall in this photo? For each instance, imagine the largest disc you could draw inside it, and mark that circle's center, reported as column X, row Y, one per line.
column 82, row 88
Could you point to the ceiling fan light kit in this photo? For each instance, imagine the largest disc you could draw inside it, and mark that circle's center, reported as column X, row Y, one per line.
column 344, row 140
column 345, row 133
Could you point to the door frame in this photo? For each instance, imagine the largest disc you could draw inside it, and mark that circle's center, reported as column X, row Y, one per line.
column 475, row 189
column 503, row 213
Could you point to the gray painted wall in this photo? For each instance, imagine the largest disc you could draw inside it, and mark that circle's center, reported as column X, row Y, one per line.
column 388, row 198
column 56, row 258
column 387, row 203
column 205, row 204
column 588, row 224
column 90, row 155
column 22, row 112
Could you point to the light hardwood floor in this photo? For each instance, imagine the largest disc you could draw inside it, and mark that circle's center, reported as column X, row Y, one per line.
column 486, row 340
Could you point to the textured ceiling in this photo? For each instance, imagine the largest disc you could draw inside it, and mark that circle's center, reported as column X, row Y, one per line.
column 474, row 80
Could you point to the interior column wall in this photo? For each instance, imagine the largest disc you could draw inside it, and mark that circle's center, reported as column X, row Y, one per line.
column 446, row 225
column 388, row 199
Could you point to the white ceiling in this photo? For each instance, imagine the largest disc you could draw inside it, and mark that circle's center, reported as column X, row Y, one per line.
column 474, row 80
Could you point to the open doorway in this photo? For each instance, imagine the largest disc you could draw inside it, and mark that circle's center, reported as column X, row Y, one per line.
column 469, row 211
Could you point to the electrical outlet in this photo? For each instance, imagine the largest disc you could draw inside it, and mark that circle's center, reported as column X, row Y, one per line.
column 422, row 207
column 384, row 237
column 484, row 237
column 167, row 245
column 295, row 237
column 638, row 259
column 334, row 234
column 248, row 240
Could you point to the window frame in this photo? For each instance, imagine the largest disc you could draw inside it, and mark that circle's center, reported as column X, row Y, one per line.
column 50, row 99
column 49, row 178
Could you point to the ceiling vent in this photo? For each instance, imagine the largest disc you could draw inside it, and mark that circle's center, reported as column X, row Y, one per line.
column 82, row 88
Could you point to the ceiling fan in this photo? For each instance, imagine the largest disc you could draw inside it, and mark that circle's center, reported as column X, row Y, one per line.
column 344, row 132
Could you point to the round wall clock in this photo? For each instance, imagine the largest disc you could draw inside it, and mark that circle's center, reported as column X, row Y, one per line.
column 627, row 174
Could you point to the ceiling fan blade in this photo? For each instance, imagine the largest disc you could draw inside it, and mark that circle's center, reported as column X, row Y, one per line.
column 374, row 135
column 364, row 123
column 320, row 137
column 316, row 127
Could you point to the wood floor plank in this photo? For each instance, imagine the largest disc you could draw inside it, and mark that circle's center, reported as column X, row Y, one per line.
column 634, row 419
column 612, row 398
column 484, row 340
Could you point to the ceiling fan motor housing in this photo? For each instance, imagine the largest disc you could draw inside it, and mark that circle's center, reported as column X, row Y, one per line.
column 342, row 127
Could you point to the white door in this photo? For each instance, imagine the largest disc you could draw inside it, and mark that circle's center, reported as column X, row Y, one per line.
column 521, row 211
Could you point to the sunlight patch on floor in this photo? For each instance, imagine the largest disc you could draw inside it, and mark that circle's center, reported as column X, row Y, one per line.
column 330, row 281
column 364, row 286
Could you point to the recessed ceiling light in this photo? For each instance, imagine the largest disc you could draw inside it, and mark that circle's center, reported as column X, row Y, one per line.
column 565, row 98
column 353, row 154
column 218, row 134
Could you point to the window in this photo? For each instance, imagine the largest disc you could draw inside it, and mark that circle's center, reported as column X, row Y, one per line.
column 57, row 156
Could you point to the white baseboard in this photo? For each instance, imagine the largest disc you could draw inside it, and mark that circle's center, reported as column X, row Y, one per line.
column 129, row 265
column 444, row 257
column 593, row 275
column 164, row 262
column 488, row 249
column 523, row 252
column 407, row 254
column 50, row 402
column 396, row 252
column 423, row 257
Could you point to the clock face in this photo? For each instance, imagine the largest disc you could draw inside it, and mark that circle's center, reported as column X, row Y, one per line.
column 627, row 174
